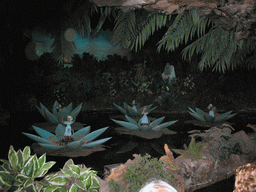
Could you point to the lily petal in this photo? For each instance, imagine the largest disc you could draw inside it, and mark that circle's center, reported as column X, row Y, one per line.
column 94, row 143
column 51, row 146
column 36, row 138
column 95, row 134
column 126, row 124
column 43, row 133
column 82, row 132
column 164, row 125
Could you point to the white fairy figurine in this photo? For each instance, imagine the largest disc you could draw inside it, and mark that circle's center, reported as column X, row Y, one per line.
column 212, row 110
column 68, row 134
column 144, row 119
column 134, row 105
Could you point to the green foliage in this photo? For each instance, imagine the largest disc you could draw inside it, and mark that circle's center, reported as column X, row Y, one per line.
column 74, row 178
column 193, row 151
column 116, row 186
column 75, row 83
column 146, row 27
column 217, row 47
column 133, row 29
column 184, row 28
column 144, row 169
column 124, row 28
column 20, row 170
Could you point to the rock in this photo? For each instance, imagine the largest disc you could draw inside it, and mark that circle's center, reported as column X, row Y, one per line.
column 230, row 15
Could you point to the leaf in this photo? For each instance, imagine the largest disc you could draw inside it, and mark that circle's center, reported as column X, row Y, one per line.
column 68, row 173
column 26, row 153
column 68, row 163
column 29, row 182
column 95, row 134
column 73, row 188
column 44, row 169
column 41, row 160
column 88, row 181
column 81, row 184
column 95, row 183
column 54, row 188
column 20, row 160
column 13, row 158
column 57, row 179
column 75, row 169
column 29, row 167
column 6, row 179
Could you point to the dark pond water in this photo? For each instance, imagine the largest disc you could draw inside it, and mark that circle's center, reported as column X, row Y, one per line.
column 22, row 122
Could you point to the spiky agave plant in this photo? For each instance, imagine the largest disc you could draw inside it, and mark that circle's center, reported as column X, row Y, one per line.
column 81, row 139
column 148, row 131
column 59, row 112
column 135, row 110
column 153, row 126
column 211, row 117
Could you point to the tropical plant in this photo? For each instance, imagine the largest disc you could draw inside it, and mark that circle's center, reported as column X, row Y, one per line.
column 137, row 27
column 59, row 112
column 19, row 172
column 218, row 48
column 81, row 139
column 193, row 150
column 144, row 169
column 75, row 82
column 116, row 186
column 137, row 126
column 134, row 111
column 212, row 117
column 73, row 178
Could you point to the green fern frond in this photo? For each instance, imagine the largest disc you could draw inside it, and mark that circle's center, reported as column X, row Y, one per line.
column 147, row 27
column 184, row 28
column 217, row 48
column 124, row 28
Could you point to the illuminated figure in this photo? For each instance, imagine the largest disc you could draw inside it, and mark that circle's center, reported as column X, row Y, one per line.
column 68, row 134
column 144, row 119
column 134, row 105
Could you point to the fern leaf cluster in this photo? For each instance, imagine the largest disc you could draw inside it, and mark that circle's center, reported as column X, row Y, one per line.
column 184, row 28
column 218, row 48
column 124, row 28
column 147, row 28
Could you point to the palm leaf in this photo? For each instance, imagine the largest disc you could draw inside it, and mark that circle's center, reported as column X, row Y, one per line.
column 124, row 28
column 147, row 27
column 94, row 143
column 164, row 125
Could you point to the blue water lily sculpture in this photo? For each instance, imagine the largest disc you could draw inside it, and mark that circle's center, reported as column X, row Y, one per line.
column 135, row 110
column 147, row 130
column 59, row 112
column 212, row 116
column 80, row 140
